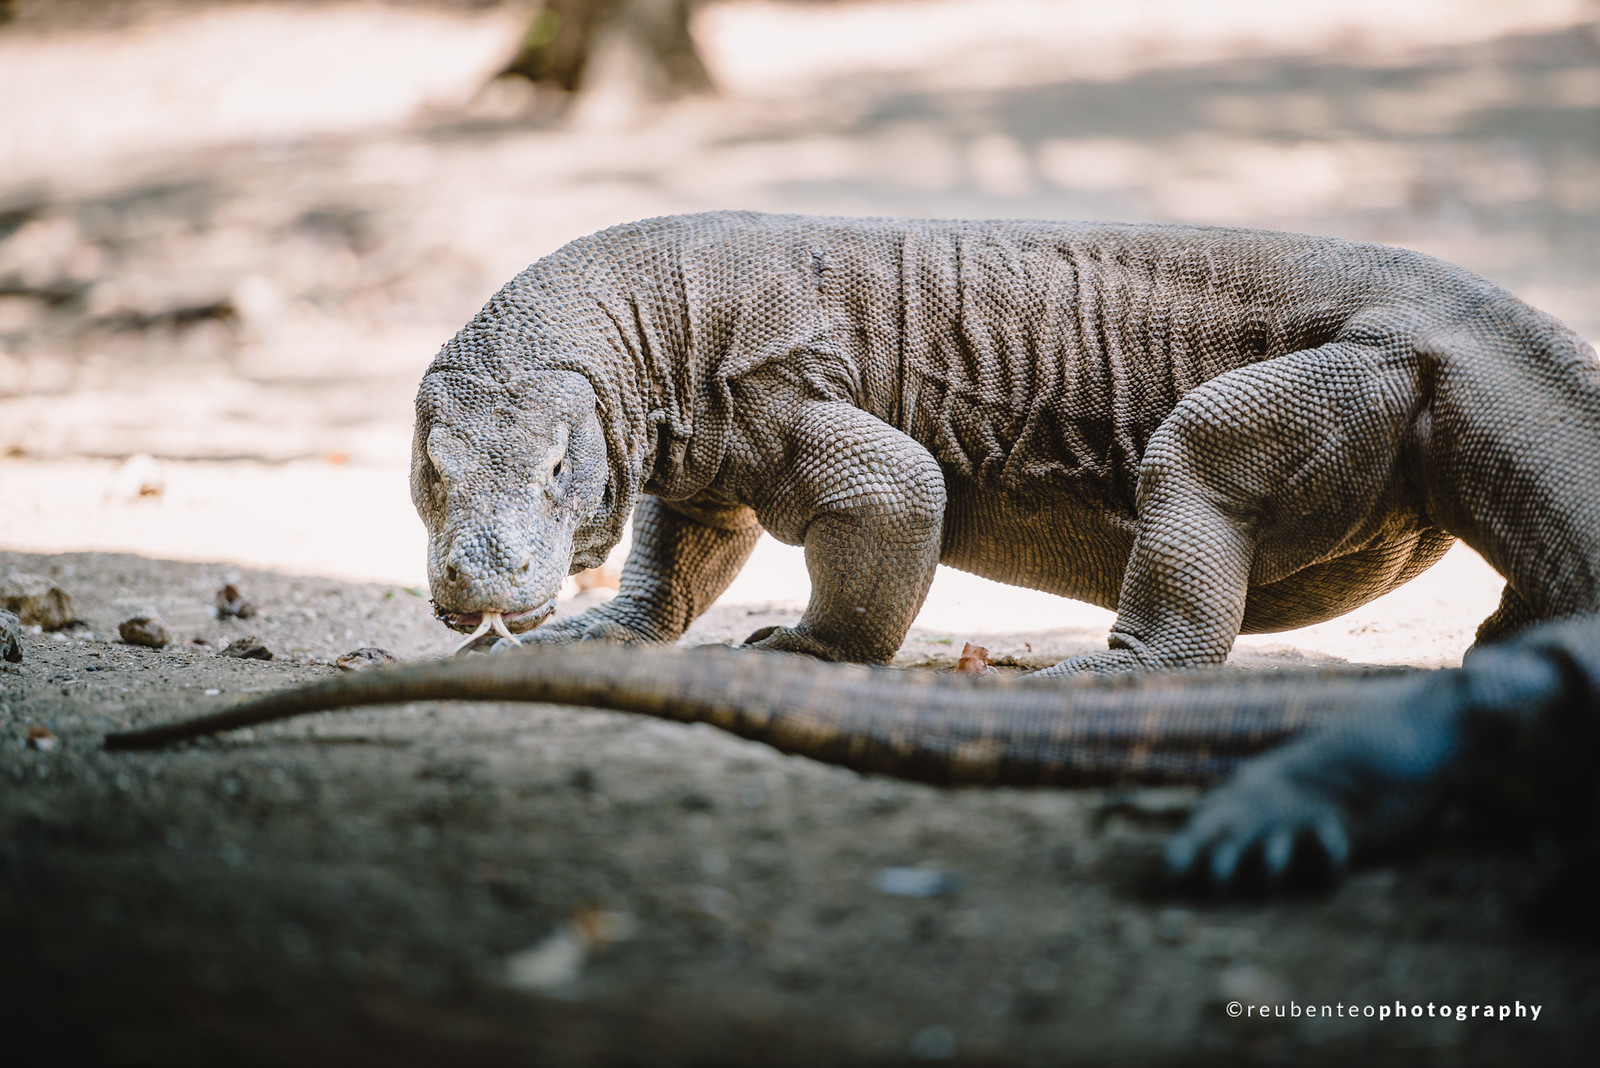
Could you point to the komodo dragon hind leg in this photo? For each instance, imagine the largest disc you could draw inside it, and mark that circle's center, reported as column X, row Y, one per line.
column 1256, row 475
column 1512, row 615
column 1510, row 457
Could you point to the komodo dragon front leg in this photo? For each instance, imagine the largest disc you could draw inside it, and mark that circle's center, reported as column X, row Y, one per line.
column 867, row 502
column 683, row 557
column 1255, row 483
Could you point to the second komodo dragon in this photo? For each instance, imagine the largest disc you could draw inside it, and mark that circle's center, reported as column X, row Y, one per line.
column 1211, row 430
column 1375, row 757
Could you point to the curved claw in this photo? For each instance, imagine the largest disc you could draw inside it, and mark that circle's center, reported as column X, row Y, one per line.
column 1335, row 842
column 1262, row 828
column 1225, row 861
column 1278, row 854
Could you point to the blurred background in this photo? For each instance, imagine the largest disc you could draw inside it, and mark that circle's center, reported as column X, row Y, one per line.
column 232, row 234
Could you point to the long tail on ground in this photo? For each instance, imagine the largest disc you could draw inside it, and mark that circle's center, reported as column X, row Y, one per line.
column 919, row 725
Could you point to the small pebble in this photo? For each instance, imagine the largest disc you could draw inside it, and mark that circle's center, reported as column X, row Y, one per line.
column 41, row 739
column 916, row 882
column 936, row 1043
column 10, row 637
column 138, row 477
column 230, row 602
column 36, row 600
column 247, row 649
column 145, row 630
column 365, row 659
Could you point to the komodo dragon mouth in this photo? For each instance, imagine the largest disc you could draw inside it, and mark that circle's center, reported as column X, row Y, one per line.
column 478, row 623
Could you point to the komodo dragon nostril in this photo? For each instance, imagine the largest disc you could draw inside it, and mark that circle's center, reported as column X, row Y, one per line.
column 452, row 573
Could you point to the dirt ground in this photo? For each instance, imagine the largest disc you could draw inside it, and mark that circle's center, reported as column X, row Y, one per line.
column 222, row 270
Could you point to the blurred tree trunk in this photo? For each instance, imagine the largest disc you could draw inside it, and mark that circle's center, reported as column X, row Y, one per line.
column 565, row 34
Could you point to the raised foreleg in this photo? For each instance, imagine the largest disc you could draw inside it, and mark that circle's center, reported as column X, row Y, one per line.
column 867, row 502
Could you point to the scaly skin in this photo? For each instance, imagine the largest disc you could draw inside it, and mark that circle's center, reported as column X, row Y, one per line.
column 1211, row 430
column 1374, row 759
column 952, row 730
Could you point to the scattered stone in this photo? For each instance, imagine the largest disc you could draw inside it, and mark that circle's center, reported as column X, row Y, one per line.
column 41, row 739
column 36, row 601
column 365, row 659
column 917, row 882
column 144, row 629
column 552, row 967
column 936, row 1043
column 247, row 649
column 1252, row 985
column 974, row 660
column 139, row 477
column 230, row 602
column 10, row 637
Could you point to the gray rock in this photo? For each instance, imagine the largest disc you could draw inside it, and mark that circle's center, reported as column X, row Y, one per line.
column 917, row 882
column 36, row 600
column 365, row 659
column 144, row 630
column 247, row 649
column 10, row 637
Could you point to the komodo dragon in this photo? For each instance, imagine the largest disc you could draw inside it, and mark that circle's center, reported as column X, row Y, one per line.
column 1211, row 430
column 1214, row 430
column 1377, row 755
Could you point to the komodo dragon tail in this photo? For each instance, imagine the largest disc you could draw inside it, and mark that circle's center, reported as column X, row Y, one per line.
column 907, row 724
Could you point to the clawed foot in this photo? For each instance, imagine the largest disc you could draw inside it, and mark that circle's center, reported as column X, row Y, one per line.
column 1262, row 830
column 793, row 640
column 1296, row 816
column 1114, row 662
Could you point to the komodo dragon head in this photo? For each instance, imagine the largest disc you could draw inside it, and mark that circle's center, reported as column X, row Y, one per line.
column 508, row 478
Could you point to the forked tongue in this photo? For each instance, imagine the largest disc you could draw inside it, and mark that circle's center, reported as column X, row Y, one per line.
column 490, row 620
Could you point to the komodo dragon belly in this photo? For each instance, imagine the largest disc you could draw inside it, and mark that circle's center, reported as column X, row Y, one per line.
column 997, row 534
column 1057, row 541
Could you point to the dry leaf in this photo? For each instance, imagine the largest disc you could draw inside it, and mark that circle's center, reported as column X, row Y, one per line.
column 974, row 660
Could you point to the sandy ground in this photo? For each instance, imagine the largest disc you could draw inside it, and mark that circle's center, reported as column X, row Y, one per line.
column 222, row 270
